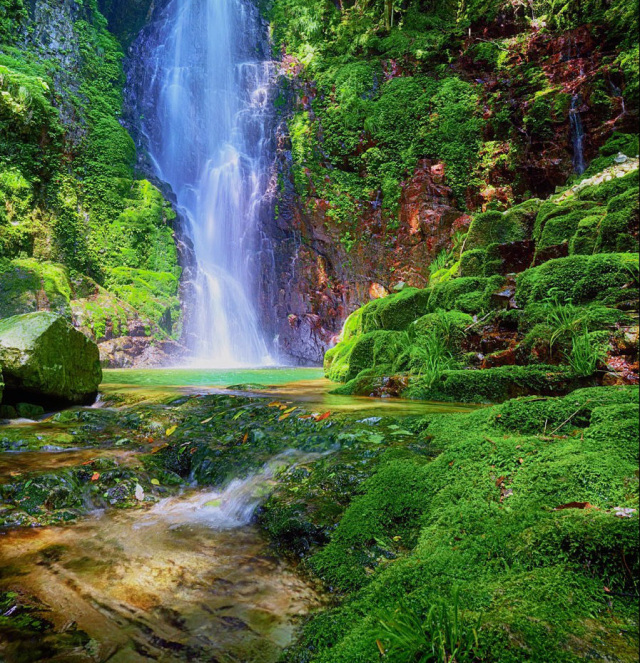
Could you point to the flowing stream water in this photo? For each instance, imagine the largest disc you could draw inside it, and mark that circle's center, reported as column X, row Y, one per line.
column 187, row 580
column 207, row 118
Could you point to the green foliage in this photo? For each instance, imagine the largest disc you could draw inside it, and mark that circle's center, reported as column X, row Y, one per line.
column 67, row 187
column 585, row 354
column 579, row 279
column 445, row 634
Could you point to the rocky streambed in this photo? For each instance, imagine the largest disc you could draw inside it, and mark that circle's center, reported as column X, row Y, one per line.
column 129, row 531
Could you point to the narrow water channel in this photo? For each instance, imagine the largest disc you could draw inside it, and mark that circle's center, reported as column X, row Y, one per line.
column 187, row 580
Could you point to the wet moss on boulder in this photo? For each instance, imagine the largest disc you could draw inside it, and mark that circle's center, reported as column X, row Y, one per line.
column 46, row 360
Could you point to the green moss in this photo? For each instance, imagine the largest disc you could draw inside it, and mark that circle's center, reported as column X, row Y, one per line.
column 579, row 279
column 472, row 262
column 27, row 284
column 371, row 532
column 601, row 193
column 495, row 227
column 482, row 518
column 375, row 349
column 336, row 360
column 395, row 312
column 585, row 238
column 154, row 294
column 494, row 384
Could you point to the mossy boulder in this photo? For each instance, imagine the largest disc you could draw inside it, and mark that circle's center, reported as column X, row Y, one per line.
column 607, row 277
column 492, row 227
column 395, row 312
column 494, row 385
column 376, row 349
column 46, row 360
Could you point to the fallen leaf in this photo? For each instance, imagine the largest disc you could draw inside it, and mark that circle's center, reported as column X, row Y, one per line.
column 284, row 416
column 274, row 404
column 206, row 421
column 156, row 449
column 245, row 438
column 520, row 461
column 139, row 494
column 155, row 482
column 95, row 476
column 606, row 589
column 213, row 503
column 89, row 462
column 574, row 505
column 380, row 647
column 291, row 409
column 322, row 417
column 171, row 430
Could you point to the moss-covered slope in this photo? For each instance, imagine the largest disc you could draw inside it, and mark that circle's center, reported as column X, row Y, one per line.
column 71, row 205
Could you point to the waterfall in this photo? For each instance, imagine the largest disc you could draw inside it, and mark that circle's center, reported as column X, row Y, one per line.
column 577, row 135
column 207, row 120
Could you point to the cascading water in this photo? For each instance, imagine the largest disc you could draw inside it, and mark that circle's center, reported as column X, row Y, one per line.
column 577, row 135
column 207, row 119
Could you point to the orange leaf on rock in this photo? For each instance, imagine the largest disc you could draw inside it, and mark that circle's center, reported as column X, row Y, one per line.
column 322, row 417
column 95, row 476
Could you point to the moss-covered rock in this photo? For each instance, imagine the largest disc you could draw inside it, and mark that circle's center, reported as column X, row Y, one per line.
column 394, row 312
column 607, row 277
column 499, row 227
column 494, row 385
column 46, row 359
column 523, row 520
column 28, row 285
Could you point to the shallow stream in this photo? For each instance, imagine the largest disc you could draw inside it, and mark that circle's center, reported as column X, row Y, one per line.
column 187, row 579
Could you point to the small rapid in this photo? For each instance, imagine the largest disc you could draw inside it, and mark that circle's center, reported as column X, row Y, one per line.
column 188, row 580
column 231, row 507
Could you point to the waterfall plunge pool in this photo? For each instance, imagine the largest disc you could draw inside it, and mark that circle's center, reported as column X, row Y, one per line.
column 305, row 386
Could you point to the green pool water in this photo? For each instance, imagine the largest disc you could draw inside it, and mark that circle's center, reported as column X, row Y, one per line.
column 306, row 386
column 193, row 377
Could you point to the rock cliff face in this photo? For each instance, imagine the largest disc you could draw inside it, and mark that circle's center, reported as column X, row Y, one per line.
column 393, row 137
column 546, row 101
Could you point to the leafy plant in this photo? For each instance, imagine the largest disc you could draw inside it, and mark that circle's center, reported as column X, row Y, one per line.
column 585, row 354
column 565, row 320
column 441, row 261
column 445, row 635
column 429, row 355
